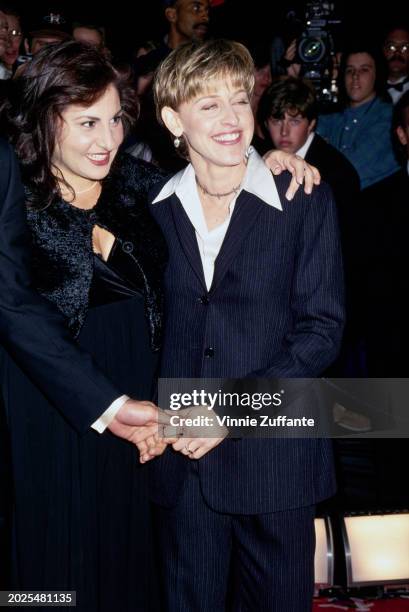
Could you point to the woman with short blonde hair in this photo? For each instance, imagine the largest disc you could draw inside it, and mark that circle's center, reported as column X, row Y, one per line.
column 253, row 288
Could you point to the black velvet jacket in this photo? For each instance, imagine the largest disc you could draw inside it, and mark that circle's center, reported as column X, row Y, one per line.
column 62, row 243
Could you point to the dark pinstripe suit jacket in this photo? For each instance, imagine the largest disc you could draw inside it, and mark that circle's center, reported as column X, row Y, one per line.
column 275, row 308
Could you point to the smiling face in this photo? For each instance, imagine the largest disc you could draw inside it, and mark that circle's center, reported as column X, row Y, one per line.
column 88, row 140
column 217, row 124
column 360, row 76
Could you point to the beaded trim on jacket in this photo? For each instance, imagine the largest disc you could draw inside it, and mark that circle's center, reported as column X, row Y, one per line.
column 62, row 243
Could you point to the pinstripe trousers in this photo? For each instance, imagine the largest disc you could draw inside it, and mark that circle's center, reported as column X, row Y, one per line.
column 259, row 563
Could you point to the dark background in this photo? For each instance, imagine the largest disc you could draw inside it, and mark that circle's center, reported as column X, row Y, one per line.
column 128, row 24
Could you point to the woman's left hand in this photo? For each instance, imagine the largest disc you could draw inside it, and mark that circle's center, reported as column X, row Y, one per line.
column 194, row 441
column 302, row 172
column 195, row 448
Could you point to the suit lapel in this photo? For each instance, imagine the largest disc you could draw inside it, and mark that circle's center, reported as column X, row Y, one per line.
column 187, row 238
column 246, row 211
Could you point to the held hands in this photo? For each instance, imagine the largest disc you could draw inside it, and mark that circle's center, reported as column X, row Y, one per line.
column 277, row 161
column 135, row 421
column 138, row 423
column 196, row 434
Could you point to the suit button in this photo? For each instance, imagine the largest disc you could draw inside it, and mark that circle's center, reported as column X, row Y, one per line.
column 127, row 247
column 204, row 300
column 209, row 352
column 93, row 217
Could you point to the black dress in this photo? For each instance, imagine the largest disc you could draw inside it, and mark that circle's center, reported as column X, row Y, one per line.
column 82, row 516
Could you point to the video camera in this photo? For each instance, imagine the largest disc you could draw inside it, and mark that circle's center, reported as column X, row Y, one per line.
column 316, row 48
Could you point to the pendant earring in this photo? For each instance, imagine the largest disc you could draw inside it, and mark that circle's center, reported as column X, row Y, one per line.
column 176, row 142
column 249, row 151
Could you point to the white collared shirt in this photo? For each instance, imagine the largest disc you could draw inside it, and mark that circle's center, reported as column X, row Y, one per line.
column 394, row 93
column 258, row 180
column 302, row 152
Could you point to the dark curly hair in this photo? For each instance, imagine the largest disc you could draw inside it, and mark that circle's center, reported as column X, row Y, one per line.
column 58, row 75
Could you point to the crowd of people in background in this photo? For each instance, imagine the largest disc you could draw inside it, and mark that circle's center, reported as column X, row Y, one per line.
column 354, row 143
column 359, row 143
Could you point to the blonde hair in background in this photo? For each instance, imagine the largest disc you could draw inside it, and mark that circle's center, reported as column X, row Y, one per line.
column 191, row 68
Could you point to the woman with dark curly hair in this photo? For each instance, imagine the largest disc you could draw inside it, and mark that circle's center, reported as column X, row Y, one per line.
column 81, row 513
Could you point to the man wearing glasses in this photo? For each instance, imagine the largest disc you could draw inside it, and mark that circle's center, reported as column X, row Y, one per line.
column 13, row 37
column 396, row 52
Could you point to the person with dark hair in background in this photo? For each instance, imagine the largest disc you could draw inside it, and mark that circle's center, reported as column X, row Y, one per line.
column 81, row 513
column 288, row 114
column 362, row 131
column 186, row 20
column 89, row 33
column 48, row 29
column 15, row 37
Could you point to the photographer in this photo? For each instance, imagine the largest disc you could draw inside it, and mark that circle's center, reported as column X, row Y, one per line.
column 310, row 49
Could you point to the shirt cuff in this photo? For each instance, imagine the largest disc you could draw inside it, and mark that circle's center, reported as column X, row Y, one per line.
column 108, row 416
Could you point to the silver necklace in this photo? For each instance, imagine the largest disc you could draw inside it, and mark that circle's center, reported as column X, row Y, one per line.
column 235, row 190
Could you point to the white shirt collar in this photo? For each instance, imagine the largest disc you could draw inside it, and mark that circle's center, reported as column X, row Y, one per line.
column 302, row 152
column 258, row 180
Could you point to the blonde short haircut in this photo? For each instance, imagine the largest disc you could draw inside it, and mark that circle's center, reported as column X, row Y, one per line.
column 191, row 68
